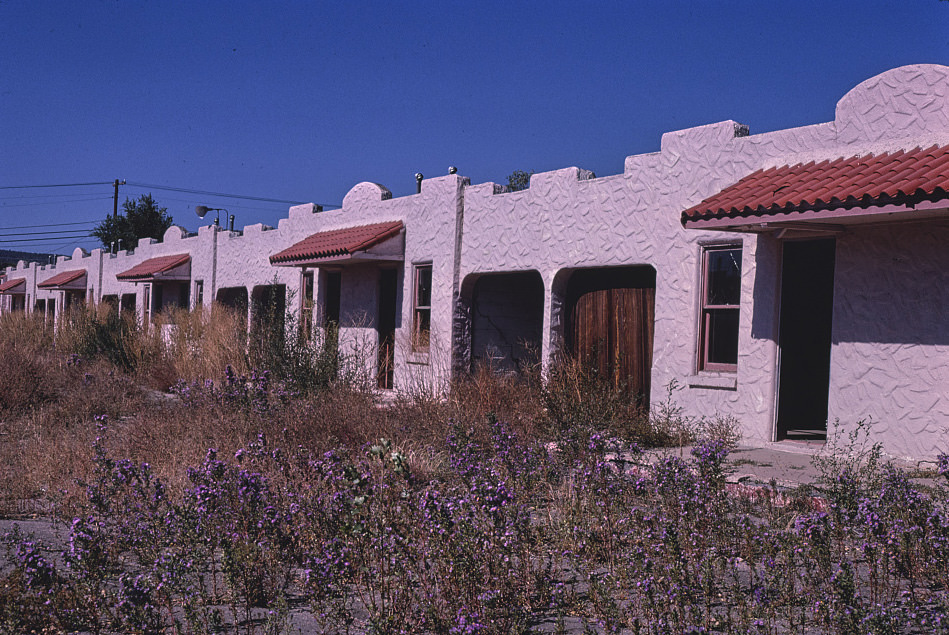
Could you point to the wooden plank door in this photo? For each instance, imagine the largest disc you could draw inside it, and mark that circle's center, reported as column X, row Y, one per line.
column 611, row 332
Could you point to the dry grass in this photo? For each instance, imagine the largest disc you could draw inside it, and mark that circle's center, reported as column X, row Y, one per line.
column 45, row 444
column 24, row 332
column 198, row 345
column 50, row 398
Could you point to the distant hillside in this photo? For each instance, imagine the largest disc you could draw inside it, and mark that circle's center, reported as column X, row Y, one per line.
column 9, row 258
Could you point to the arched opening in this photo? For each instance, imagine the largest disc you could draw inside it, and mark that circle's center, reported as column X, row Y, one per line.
column 507, row 320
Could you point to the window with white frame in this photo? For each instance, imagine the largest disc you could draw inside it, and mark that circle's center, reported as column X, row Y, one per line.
column 721, row 297
column 422, row 307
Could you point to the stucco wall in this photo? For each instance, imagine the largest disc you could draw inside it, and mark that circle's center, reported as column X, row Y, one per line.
column 890, row 355
column 430, row 219
column 567, row 219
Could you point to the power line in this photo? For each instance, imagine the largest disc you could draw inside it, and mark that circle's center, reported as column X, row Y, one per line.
column 26, row 187
column 221, row 194
column 51, row 203
column 49, row 239
column 90, row 222
column 18, row 197
column 61, row 231
column 166, row 188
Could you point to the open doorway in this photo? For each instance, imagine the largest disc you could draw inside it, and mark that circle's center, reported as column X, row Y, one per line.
column 388, row 295
column 507, row 321
column 807, row 302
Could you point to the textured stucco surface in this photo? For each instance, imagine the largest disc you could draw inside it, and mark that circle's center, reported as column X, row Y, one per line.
column 890, row 356
column 568, row 220
column 890, row 348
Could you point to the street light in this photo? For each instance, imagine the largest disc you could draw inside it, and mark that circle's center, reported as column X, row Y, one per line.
column 202, row 210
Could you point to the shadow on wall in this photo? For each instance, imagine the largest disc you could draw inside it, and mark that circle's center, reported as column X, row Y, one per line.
column 891, row 286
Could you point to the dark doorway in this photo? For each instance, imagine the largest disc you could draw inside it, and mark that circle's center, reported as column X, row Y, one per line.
column 331, row 284
column 127, row 305
column 268, row 308
column 234, row 299
column 386, row 325
column 157, row 300
column 610, row 319
column 807, row 303
column 74, row 299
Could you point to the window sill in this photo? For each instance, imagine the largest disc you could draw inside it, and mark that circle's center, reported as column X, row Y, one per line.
column 719, row 381
column 417, row 357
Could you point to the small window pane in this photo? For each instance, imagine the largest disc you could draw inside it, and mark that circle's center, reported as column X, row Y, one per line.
column 722, row 336
column 424, row 328
column 724, row 277
column 423, row 293
column 422, row 321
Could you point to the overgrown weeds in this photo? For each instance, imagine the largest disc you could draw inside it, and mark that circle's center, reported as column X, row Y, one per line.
column 501, row 536
column 514, row 505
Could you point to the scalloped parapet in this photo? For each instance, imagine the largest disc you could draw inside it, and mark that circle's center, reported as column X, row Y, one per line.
column 302, row 211
column 174, row 232
column 898, row 103
column 79, row 253
column 366, row 193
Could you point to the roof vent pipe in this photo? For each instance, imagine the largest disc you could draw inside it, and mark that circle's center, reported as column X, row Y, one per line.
column 452, row 170
column 230, row 224
column 418, row 182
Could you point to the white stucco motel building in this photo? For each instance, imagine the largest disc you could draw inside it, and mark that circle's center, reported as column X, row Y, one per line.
column 796, row 280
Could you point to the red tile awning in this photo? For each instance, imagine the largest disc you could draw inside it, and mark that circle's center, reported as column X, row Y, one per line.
column 903, row 183
column 364, row 242
column 11, row 286
column 67, row 279
column 162, row 267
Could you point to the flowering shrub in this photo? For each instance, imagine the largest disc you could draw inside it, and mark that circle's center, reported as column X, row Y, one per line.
column 255, row 394
column 505, row 535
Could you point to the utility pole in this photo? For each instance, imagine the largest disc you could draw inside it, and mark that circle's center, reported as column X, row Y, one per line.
column 115, row 197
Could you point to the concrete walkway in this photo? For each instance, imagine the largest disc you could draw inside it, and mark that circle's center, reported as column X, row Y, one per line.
column 791, row 463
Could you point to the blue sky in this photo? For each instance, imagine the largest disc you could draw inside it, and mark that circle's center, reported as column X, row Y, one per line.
column 300, row 101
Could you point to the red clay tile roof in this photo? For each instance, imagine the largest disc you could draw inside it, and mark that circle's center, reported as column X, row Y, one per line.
column 884, row 179
column 153, row 266
column 9, row 285
column 338, row 242
column 62, row 279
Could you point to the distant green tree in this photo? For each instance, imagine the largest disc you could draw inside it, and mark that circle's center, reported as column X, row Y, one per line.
column 139, row 219
column 519, row 180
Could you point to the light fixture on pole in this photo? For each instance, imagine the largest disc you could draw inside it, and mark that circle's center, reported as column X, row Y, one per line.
column 202, row 210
